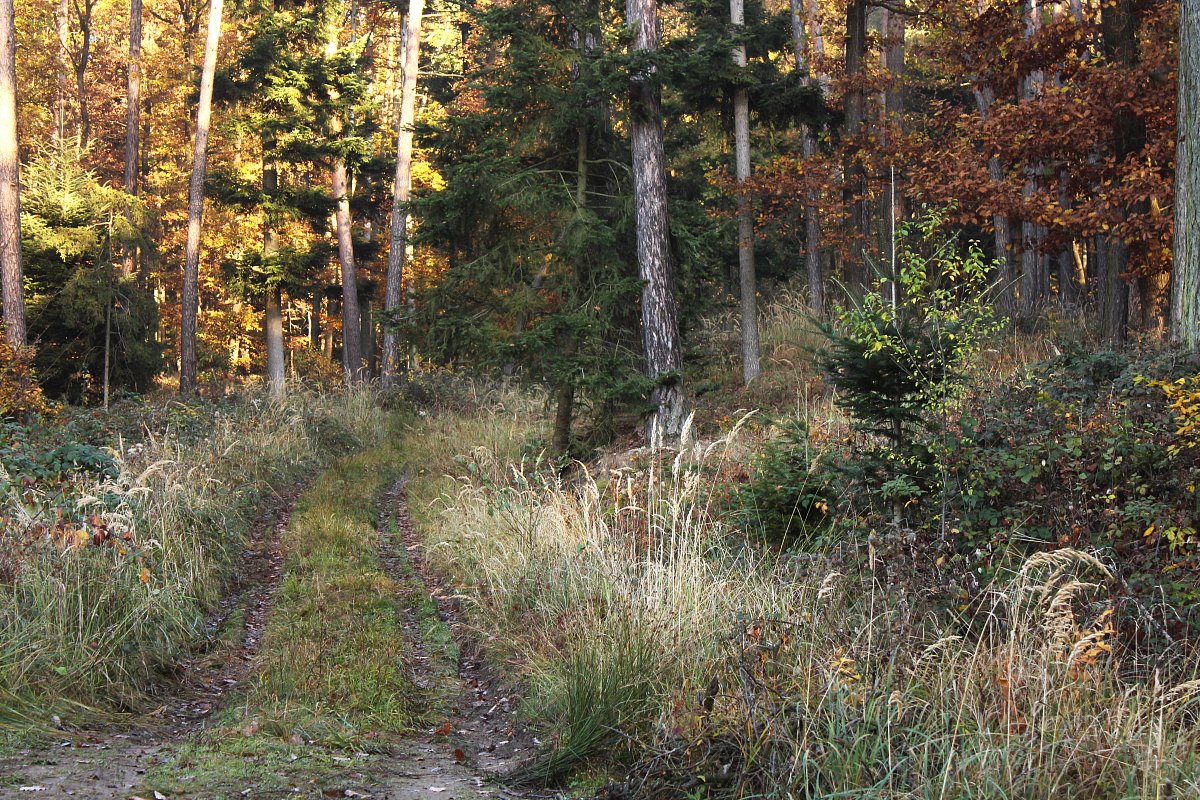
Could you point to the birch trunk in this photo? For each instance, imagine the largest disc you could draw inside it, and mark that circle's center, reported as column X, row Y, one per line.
column 741, row 134
column 393, row 293
column 660, row 321
column 11, row 276
column 190, row 301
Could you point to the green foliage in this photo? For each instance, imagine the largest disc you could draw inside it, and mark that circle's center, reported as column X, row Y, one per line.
column 71, row 226
column 896, row 359
column 94, row 309
column 542, row 279
column 787, row 495
column 1084, row 451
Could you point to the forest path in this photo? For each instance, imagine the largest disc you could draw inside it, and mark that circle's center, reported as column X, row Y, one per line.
column 209, row 739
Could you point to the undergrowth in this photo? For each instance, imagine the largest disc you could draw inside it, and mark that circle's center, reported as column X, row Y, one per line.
column 648, row 631
column 111, row 555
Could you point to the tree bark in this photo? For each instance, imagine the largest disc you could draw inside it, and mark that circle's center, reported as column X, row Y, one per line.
column 12, row 279
column 352, row 364
column 892, row 58
column 273, row 318
column 393, row 292
column 1185, row 300
column 660, row 315
column 854, row 189
column 1119, row 23
column 805, row 37
column 751, row 353
column 351, row 352
column 190, row 302
column 82, row 60
column 133, row 110
column 62, row 21
column 1034, row 273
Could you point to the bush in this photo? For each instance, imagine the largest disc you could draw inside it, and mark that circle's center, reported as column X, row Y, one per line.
column 787, row 496
column 20, row 395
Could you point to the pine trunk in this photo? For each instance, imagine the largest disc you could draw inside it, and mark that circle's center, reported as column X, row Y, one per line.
column 351, row 353
column 747, row 282
column 660, row 321
column 11, row 276
column 393, row 293
column 1185, row 302
column 803, row 21
column 352, row 364
column 854, row 189
column 273, row 318
column 190, row 301
column 62, row 21
column 133, row 109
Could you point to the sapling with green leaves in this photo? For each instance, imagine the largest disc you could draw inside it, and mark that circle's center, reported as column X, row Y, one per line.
column 897, row 362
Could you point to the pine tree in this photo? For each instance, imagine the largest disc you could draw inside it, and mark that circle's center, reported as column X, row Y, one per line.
column 11, row 278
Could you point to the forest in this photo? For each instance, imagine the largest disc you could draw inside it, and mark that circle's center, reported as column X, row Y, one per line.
column 587, row 399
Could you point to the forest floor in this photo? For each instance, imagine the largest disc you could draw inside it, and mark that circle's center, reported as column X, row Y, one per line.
column 216, row 733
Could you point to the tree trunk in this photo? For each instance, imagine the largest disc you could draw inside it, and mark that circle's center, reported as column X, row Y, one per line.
column 314, row 320
column 352, row 363
column 133, row 109
column 854, row 189
column 1119, row 22
column 1005, row 280
column 660, row 320
column 393, row 293
column 892, row 207
column 190, row 302
column 1185, row 299
column 741, row 135
column 1033, row 235
column 803, row 40
column 366, row 335
column 351, row 353
column 1113, row 255
column 565, row 399
column 11, row 276
column 85, row 15
column 273, row 318
column 273, row 332
column 62, row 21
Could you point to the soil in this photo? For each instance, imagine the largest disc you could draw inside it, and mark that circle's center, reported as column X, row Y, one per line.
column 460, row 758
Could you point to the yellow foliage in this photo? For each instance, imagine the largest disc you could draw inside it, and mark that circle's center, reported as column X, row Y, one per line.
column 19, row 392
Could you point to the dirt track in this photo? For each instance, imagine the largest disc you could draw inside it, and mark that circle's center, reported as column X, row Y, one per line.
column 453, row 760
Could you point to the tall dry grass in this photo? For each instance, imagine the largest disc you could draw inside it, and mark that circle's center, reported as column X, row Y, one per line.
column 94, row 627
column 641, row 626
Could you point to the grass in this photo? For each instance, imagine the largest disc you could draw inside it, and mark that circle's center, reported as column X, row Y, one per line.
column 646, row 630
column 334, row 658
column 334, row 675
column 232, row 766
column 88, row 628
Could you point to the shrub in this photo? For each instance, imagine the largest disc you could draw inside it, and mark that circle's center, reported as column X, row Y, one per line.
column 20, row 394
